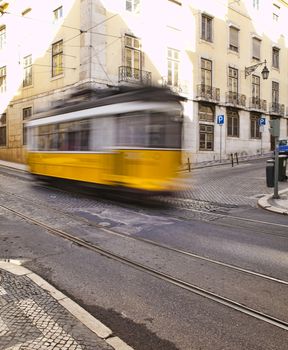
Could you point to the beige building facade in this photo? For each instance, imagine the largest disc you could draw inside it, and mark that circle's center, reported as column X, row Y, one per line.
column 202, row 50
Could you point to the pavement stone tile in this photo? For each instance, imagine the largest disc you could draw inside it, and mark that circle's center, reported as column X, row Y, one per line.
column 30, row 318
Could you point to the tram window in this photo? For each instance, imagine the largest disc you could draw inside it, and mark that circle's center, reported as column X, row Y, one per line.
column 156, row 130
column 102, row 133
column 53, row 138
column 74, row 136
column 84, row 135
column 164, row 131
column 131, row 131
column 70, row 136
column 43, row 137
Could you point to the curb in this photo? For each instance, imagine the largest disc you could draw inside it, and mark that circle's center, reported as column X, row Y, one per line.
column 264, row 203
column 11, row 165
column 97, row 327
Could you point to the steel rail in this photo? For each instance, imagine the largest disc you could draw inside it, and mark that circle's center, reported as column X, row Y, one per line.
column 159, row 245
column 160, row 275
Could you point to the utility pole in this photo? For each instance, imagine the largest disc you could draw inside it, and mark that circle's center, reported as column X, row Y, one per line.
column 275, row 131
column 276, row 168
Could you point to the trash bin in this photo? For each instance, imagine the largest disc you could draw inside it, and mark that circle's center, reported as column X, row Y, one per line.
column 282, row 167
column 270, row 172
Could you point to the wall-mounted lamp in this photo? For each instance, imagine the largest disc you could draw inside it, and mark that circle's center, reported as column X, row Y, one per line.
column 265, row 70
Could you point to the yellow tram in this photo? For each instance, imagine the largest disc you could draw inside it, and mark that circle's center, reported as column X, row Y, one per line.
column 129, row 139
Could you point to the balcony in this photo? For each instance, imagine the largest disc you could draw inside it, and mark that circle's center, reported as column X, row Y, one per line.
column 134, row 75
column 235, row 99
column 208, row 93
column 257, row 104
column 277, row 109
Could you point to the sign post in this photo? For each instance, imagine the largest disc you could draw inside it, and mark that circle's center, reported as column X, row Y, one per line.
column 220, row 121
column 262, row 122
column 275, row 131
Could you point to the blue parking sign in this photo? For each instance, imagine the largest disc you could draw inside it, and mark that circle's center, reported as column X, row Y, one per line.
column 220, row 119
column 262, row 121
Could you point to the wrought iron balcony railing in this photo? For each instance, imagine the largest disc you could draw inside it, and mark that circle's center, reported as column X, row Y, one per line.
column 277, row 108
column 236, row 99
column 181, row 87
column 258, row 104
column 134, row 75
column 209, row 93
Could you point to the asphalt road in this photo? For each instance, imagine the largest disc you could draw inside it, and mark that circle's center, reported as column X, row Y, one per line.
column 205, row 224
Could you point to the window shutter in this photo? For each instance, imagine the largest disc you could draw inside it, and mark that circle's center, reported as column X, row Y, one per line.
column 234, row 37
column 256, row 48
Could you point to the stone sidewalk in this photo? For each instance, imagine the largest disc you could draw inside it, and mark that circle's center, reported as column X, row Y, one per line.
column 35, row 316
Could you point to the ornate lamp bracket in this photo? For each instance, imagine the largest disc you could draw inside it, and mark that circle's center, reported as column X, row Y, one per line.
column 251, row 69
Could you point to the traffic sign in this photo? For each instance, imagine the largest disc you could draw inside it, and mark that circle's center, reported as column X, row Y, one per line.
column 262, row 121
column 220, row 119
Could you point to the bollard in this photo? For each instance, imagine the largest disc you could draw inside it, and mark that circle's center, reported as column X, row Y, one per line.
column 236, row 156
column 232, row 161
column 189, row 165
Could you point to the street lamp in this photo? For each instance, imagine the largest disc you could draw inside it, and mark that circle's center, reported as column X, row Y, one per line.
column 265, row 70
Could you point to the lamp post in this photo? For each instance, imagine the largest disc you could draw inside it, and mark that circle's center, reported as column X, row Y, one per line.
column 251, row 69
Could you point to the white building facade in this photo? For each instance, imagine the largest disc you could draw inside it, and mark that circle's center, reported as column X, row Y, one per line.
column 202, row 50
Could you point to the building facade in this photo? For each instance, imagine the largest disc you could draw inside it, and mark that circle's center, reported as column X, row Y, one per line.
column 211, row 52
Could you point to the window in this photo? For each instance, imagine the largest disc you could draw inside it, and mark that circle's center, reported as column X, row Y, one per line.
column 26, row 113
column 232, row 123
column 206, row 137
column 275, row 57
column 206, row 72
column 133, row 57
column 57, row 58
column 149, row 130
column 27, row 65
column 206, row 113
column 256, row 44
column 254, row 126
column 3, row 129
column 2, row 79
column 276, row 13
column 233, row 39
column 25, row 12
column 2, row 37
column 233, row 80
column 275, row 17
column 133, row 6
column 206, row 128
column 66, row 136
column 58, row 13
column 275, row 93
column 256, row 4
column 173, row 67
column 206, row 28
column 255, row 87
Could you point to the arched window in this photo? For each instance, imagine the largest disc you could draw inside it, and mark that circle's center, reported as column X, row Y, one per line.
column 206, row 113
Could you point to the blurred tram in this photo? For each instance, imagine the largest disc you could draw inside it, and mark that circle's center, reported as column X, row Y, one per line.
column 127, row 139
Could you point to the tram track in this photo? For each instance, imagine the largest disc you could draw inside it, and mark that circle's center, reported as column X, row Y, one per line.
column 89, row 245
column 158, row 274
column 216, row 211
column 151, row 242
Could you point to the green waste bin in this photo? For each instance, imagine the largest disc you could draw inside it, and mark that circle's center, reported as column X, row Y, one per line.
column 270, row 172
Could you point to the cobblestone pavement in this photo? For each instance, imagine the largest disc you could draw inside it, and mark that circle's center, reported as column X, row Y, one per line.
column 238, row 186
column 32, row 319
